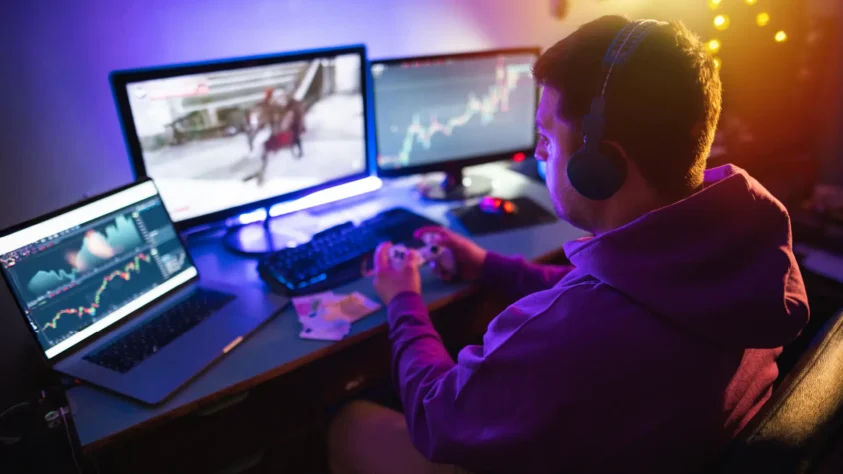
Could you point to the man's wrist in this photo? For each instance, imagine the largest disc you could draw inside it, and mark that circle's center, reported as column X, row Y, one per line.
column 406, row 304
column 496, row 270
column 404, row 295
column 480, row 268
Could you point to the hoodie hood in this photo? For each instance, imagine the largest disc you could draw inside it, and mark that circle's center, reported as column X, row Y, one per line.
column 718, row 263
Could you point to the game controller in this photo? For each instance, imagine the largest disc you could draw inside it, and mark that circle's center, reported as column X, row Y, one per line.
column 431, row 253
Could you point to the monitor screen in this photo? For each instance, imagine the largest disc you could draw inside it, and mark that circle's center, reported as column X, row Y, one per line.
column 83, row 270
column 242, row 132
column 432, row 111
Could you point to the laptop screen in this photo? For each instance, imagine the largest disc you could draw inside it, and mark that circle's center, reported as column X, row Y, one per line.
column 83, row 270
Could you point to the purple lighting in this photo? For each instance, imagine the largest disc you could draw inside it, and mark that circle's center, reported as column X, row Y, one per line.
column 337, row 193
column 257, row 215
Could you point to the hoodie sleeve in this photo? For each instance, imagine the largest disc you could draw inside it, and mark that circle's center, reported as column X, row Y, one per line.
column 485, row 410
column 517, row 278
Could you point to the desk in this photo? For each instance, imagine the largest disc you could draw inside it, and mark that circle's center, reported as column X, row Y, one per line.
column 276, row 350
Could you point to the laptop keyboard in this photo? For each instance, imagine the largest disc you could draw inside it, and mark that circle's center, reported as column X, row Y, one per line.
column 125, row 353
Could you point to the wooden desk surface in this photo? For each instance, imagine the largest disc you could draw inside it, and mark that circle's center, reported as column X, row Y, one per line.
column 276, row 349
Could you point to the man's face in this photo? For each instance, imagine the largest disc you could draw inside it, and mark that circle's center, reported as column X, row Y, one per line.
column 555, row 145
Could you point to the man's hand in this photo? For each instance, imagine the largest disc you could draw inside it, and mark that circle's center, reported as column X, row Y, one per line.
column 468, row 256
column 390, row 282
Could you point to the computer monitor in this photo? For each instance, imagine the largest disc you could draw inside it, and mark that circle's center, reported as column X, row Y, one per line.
column 227, row 137
column 446, row 112
column 84, row 268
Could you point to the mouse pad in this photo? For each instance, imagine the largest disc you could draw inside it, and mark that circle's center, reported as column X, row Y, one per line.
column 478, row 222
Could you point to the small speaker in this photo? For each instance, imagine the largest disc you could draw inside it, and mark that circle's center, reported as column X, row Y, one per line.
column 559, row 9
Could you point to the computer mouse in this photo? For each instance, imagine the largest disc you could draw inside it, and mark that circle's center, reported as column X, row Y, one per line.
column 493, row 205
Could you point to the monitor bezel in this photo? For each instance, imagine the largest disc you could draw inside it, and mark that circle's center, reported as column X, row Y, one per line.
column 119, row 79
column 121, row 322
column 460, row 163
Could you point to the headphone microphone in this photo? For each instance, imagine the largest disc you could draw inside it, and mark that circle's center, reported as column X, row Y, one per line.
column 598, row 170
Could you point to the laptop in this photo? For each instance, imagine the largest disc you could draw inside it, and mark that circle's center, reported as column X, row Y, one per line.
column 113, row 297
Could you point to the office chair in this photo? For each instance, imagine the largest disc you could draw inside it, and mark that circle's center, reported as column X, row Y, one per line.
column 789, row 432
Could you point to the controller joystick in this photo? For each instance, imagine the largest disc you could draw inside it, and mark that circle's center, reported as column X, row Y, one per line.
column 435, row 252
column 430, row 253
column 441, row 256
column 397, row 256
column 431, row 238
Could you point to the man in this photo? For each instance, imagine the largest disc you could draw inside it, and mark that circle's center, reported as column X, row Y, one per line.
column 647, row 354
column 295, row 111
column 261, row 115
column 267, row 113
column 286, row 120
column 284, row 117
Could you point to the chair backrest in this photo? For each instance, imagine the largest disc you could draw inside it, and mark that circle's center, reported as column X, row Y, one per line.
column 803, row 412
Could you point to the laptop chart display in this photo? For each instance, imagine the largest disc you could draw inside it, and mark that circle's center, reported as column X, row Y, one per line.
column 80, row 272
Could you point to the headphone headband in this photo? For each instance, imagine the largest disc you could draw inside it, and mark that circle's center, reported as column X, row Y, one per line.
column 622, row 47
column 599, row 172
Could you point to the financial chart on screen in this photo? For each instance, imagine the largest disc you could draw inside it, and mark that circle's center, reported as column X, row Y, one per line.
column 434, row 111
column 77, row 276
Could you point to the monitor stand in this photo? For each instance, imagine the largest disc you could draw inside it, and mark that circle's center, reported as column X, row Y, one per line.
column 261, row 238
column 456, row 187
column 530, row 168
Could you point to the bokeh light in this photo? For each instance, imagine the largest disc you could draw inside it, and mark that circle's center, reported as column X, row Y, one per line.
column 762, row 19
column 713, row 4
column 714, row 45
column 718, row 63
column 721, row 22
column 781, row 36
column 751, row 2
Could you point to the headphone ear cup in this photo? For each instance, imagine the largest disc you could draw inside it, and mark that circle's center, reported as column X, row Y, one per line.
column 597, row 176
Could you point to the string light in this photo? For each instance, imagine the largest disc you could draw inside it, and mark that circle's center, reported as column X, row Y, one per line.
column 762, row 19
column 781, row 36
column 714, row 46
column 721, row 22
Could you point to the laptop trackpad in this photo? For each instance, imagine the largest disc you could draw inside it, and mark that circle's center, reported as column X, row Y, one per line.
column 155, row 377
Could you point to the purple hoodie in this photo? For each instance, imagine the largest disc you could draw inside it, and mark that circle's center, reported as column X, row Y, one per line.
column 647, row 355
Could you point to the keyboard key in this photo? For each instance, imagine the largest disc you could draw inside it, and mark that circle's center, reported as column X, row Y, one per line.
column 138, row 345
column 333, row 256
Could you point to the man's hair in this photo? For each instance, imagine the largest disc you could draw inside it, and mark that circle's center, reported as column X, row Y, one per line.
column 662, row 105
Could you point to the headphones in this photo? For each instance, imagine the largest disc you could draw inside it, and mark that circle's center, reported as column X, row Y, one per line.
column 598, row 169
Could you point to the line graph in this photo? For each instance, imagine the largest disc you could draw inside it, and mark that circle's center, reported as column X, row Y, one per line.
column 81, row 255
column 47, row 280
column 125, row 274
column 495, row 101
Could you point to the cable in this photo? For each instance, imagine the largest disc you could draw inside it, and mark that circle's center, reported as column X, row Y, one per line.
column 10, row 440
column 69, row 441
column 17, row 405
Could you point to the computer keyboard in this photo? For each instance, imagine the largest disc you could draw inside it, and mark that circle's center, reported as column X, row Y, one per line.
column 334, row 256
column 130, row 350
